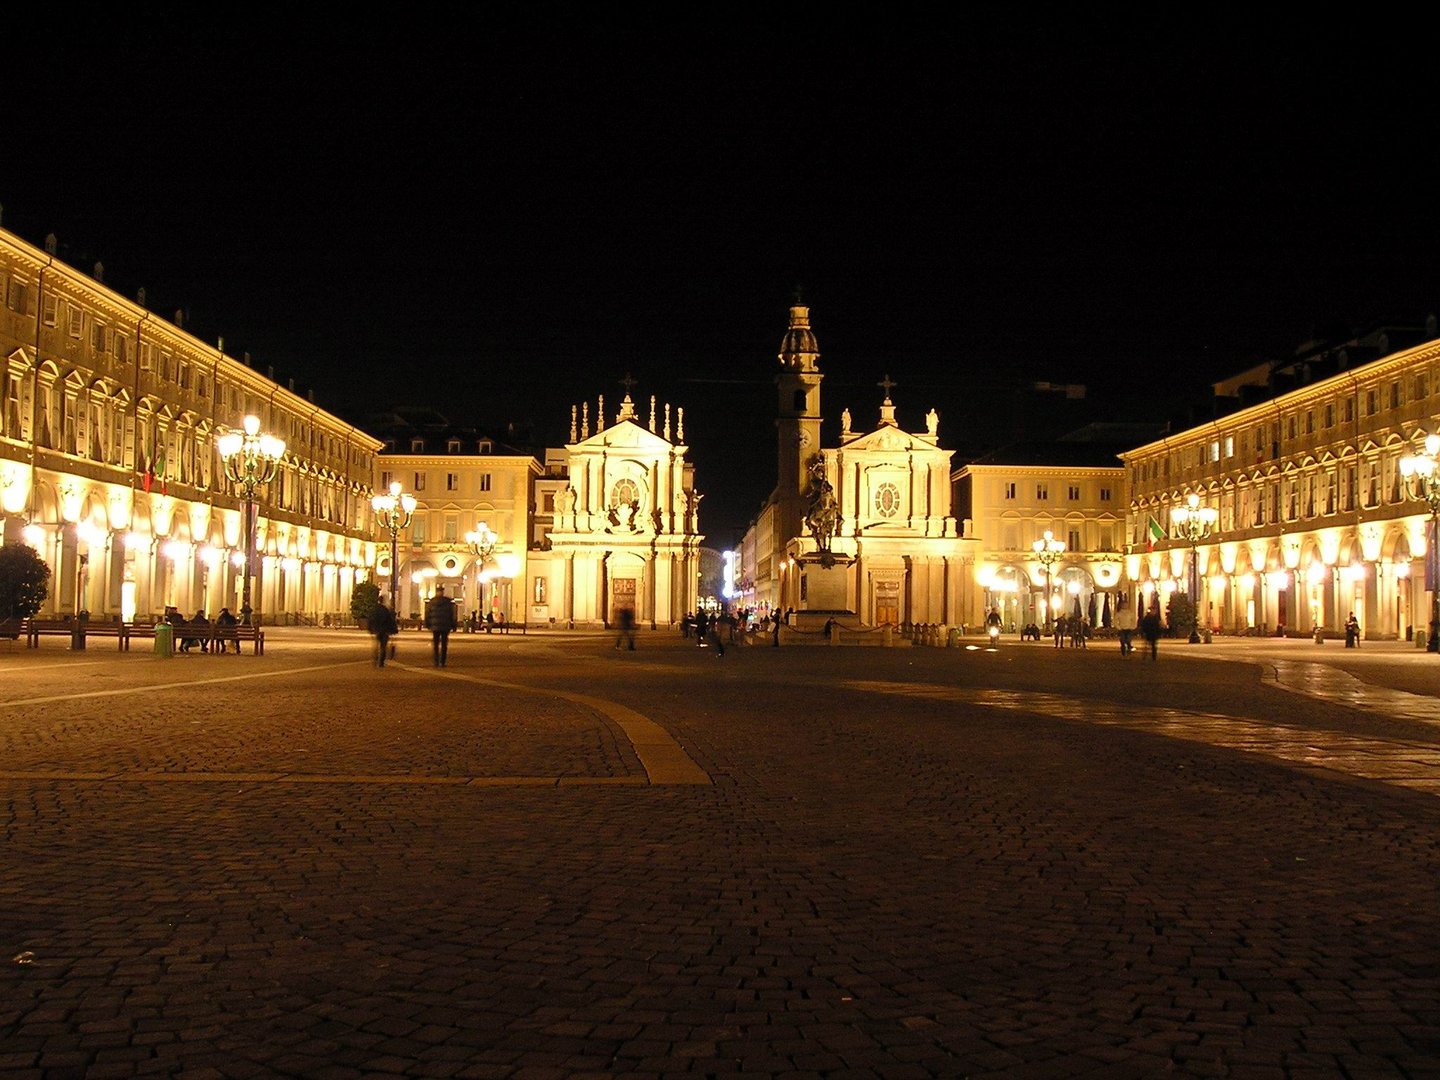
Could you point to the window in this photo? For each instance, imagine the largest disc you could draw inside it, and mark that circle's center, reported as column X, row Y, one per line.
column 386, row 478
column 1042, row 492
column 1073, row 493
column 539, row 590
column 1073, row 541
column 1291, row 428
column 453, row 446
column 1229, row 446
column 887, row 500
column 1104, row 494
column 547, row 502
column 1009, row 491
column 18, row 298
column 1309, row 422
column 419, row 481
column 1012, row 538
column 452, row 481
column 1329, row 416
column 1215, row 450
column 486, row 446
column 1395, row 394
column 485, row 483
column 1347, row 493
column 417, row 529
column 1107, row 537
column 1332, row 492
column 452, row 529
column 74, row 320
column 1369, row 402
column 122, row 348
column 52, row 309
column 97, row 336
column 623, row 493
column 1349, row 410
column 1422, row 385
column 417, row 446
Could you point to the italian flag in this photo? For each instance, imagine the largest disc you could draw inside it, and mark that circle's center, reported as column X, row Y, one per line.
column 1156, row 533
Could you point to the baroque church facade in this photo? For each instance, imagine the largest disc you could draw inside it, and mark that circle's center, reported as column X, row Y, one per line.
column 616, row 523
column 860, row 532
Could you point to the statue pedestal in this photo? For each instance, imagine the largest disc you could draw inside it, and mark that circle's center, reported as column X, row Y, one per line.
column 827, row 586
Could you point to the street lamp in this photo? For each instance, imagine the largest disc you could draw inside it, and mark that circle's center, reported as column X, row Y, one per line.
column 393, row 511
column 1195, row 522
column 1422, row 482
column 482, row 545
column 1049, row 551
column 251, row 459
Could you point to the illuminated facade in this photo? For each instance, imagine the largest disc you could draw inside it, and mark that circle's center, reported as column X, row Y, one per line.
column 895, row 555
column 109, row 419
column 617, row 523
column 464, row 484
column 1314, row 518
column 1012, row 498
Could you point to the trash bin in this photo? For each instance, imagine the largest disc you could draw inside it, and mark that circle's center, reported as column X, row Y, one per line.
column 164, row 639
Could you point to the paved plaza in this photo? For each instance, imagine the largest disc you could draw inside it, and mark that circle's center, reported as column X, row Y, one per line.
column 551, row 859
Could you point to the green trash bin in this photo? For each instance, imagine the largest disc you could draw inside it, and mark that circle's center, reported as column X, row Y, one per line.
column 164, row 639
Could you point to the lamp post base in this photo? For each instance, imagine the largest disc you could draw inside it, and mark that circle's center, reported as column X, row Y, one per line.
column 1194, row 637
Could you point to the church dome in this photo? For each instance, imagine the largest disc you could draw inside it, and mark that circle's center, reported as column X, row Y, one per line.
column 799, row 349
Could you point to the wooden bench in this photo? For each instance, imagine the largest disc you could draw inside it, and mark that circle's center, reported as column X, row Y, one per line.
column 35, row 629
column 222, row 635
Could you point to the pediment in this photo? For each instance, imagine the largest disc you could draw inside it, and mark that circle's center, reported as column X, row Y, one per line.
column 625, row 435
column 888, row 439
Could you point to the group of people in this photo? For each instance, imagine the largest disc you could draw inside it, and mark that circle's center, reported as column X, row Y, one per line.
column 441, row 619
column 196, row 629
column 1072, row 628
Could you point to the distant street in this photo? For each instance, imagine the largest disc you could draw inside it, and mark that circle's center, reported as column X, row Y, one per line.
column 552, row 859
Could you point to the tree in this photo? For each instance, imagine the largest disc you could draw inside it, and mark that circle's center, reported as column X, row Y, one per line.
column 24, row 581
column 1180, row 613
column 364, row 599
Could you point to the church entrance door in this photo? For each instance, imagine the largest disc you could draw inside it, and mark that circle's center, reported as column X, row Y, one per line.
column 887, row 603
column 622, row 595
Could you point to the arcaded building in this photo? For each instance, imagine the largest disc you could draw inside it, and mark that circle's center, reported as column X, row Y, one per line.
column 109, row 465
column 1315, row 518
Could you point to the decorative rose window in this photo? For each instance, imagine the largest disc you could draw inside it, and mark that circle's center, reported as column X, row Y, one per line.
column 887, row 500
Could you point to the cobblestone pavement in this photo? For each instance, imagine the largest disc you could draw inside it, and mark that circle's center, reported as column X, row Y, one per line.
column 554, row 860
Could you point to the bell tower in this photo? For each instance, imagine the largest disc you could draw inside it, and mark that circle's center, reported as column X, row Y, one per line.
column 797, row 420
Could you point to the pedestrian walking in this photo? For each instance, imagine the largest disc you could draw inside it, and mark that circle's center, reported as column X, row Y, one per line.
column 775, row 628
column 383, row 626
column 440, row 619
column 1059, row 632
column 702, row 628
column 625, row 622
column 1150, row 631
column 1125, row 623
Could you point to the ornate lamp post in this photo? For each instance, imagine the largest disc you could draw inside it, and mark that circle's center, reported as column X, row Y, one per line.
column 1195, row 522
column 1422, row 482
column 482, row 545
column 251, row 459
column 393, row 511
column 1048, row 551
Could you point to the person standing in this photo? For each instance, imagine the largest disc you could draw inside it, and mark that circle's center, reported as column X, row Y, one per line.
column 1352, row 632
column 440, row 619
column 702, row 627
column 383, row 626
column 775, row 629
column 625, row 620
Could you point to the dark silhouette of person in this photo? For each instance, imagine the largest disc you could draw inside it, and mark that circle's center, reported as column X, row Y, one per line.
column 440, row 619
column 383, row 626
column 625, row 621
column 1150, row 631
column 226, row 620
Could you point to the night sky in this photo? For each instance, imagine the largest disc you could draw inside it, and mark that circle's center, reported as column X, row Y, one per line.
column 500, row 217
